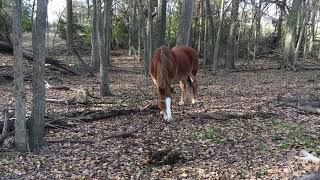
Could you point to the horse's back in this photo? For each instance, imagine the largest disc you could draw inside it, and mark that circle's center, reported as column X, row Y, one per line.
column 186, row 59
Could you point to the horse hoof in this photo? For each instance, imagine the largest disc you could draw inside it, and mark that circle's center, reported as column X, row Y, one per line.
column 181, row 103
column 194, row 101
column 168, row 120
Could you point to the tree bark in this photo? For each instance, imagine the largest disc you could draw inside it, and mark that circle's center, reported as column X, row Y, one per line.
column 21, row 136
column 130, row 30
column 69, row 28
column 107, row 23
column 312, row 28
column 103, row 38
column 232, row 52
column 210, row 34
column 217, row 44
column 94, row 37
column 38, row 101
column 279, row 24
column 160, row 31
column 303, row 27
column 200, row 34
column 291, row 24
column 257, row 27
column 185, row 23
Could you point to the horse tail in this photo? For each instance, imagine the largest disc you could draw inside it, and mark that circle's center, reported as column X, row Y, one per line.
column 163, row 80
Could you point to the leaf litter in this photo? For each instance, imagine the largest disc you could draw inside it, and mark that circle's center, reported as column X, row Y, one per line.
column 188, row 148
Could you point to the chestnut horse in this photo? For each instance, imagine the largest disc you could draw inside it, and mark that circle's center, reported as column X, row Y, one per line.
column 172, row 65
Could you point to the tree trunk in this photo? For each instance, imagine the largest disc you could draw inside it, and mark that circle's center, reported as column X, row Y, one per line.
column 148, row 39
column 107, row 29
column 312, row 30
column 257, row 28
column 38, row 89
column 104, row 36
column 130, row 30
column 21, row 136
column 69, row 28
column 279, row 24
column 232, row 52
column 209, row 48
column 185, row 23
column 200, row 26
column 160, row 31
column 303, row 27
column 94, row 38
column 217, row 44
column 291, row 24
column 32, row 10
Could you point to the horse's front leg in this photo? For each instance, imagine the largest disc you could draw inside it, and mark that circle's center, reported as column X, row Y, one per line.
column 182, row 88
column 193, row 88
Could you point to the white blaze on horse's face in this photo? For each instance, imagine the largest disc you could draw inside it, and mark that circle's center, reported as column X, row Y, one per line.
column 167, row 113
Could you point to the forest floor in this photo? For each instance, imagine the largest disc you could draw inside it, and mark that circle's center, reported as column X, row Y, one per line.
column 204, row 141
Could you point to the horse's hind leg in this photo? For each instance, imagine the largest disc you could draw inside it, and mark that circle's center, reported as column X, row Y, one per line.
column 193, row 85
column 183, row 89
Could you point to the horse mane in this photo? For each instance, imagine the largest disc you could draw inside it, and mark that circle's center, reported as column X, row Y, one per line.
column 164, row 66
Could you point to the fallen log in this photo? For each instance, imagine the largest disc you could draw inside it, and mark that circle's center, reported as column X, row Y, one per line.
column 29, row 55
column 222, row 116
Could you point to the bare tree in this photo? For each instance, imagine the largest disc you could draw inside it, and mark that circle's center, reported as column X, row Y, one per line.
column 94, row 37
column 307, row 9
column 312, row 28
column 103, row 38
column 291, row 30
column 21, row 136
column 160, row 30
column 69, row 25
column 217, row 44
column 185, row 22
column 232, row 51
column 210, row 40
column 38, row 89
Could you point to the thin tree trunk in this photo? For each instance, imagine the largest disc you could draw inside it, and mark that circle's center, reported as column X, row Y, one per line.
column 32, row 11
column 104, row 36
column 279, row 25
column 303, row 28
column 232, row 52
column 312, row 30
column 69, row 28
column 209, row 48
column 305, row 44
column 217, row 44
column 94, row 38
column 185, row 23
column 148, row 38
column 257, row 29
column 130, row 30
column 107, row 29
column 21, row 136
column 38, row 101
column 200, row 26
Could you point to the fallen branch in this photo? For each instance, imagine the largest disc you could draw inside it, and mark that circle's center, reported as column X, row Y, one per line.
column 71, row 141
column 4, row 133
column 126, row 134
column 306, row 156
column 29, row 55
column 49, row 86
column 309, row 109
column 237, row 115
